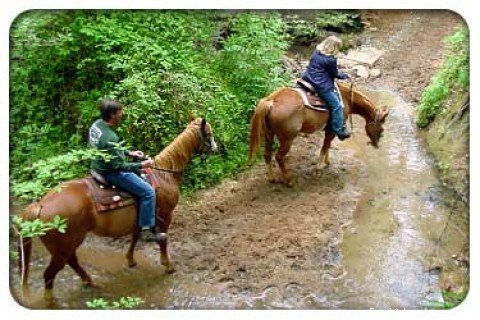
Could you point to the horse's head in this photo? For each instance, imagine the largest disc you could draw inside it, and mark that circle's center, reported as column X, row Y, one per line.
column 208, row 143
column 374, row 128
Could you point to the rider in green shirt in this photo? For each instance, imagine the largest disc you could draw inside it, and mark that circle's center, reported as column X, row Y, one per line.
column 118, row 171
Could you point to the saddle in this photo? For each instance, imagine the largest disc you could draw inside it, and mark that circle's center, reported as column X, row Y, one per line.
column 310, row 97
column 108, row 197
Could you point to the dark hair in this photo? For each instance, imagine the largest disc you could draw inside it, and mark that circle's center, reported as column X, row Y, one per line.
column 108, row 108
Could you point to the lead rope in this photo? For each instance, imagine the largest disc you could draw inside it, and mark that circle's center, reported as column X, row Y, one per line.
column 351, row 105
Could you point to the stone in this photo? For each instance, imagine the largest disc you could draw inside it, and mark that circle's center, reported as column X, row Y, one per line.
column 364, row 55
column 361, row 71
column 375, row 73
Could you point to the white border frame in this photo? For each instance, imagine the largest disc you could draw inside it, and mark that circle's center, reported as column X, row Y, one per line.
column 466, row 8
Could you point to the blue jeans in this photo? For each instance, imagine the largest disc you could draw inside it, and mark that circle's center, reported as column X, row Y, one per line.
column 144, row 192
column 335, row 121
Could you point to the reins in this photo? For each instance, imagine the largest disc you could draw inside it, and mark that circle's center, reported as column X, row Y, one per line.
column 157, row 168
column 351, row 105
column 167, row 170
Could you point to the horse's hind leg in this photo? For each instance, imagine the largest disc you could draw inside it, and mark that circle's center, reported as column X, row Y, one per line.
column 285, row 146
column 268, row 156
column 324, row 153
column 86, row 279
column 57, row 263
column 131, row 261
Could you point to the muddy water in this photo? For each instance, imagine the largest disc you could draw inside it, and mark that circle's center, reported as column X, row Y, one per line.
column 388, row 256
column 396, row 234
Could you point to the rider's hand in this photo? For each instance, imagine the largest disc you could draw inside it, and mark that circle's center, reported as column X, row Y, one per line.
column 137, row 153
column 147, row 163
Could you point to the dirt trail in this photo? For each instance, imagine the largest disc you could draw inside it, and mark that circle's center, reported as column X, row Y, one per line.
column 250, row 244
column 252, row 234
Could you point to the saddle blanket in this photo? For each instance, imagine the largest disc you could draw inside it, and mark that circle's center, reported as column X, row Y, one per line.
column 312, row 101
column 108, row 198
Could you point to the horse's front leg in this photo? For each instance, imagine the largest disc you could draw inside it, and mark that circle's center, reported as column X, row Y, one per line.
column 131, row 261
column 162, row 227
column 324, row 153
column 164, row 256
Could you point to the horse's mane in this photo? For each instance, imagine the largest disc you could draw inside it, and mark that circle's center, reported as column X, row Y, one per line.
column 178, row 153
column 363, row 105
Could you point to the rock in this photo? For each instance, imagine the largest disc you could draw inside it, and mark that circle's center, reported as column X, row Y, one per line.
column 375, row 73
column 345, row 63
column 361, row 71
column 365, row 55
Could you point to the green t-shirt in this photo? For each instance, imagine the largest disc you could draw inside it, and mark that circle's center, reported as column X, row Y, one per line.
column 102, row 137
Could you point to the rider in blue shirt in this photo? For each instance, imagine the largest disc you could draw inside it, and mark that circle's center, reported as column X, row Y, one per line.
column 321, row 73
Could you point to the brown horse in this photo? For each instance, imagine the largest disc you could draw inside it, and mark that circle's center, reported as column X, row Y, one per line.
column 284, row 115
column 73, row 202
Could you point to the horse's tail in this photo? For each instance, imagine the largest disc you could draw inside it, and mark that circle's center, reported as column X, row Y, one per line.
column 258, row 124
column 25, row 247
column 24, row 253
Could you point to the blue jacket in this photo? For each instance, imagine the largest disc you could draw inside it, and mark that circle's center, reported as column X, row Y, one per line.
column 321, row 72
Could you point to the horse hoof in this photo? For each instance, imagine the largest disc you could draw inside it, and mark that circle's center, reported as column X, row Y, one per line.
column 91, row 285
column 322, row 166
column 170, row 270
column 48, row 295
column 132, row 264
column 272, row 180
column 289, row 184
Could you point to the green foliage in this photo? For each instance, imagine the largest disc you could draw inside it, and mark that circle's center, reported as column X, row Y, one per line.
column 160, row 64
column 35, row 228
column 339, row 21
column 450, row 300
column 122, row 303
column 453, row 76
column 308, row 30
column 33, row 181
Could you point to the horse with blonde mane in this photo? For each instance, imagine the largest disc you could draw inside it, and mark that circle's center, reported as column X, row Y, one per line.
column 283, row 114
column 73, row 202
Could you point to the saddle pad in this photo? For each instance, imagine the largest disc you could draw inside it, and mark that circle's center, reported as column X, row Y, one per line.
column 109, row 198
column 152, row 179
column 106, row 199
column 312, row 101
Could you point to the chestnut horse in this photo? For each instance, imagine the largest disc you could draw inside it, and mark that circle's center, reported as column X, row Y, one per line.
column 283, row 114
column 73, row 202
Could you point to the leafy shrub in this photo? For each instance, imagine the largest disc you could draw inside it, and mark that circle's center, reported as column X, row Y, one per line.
column 37, row 227
column 160, row 64
column 339, row 21
column 453, row 76
column 33, row 181
column 314, row 29
column 121, row 303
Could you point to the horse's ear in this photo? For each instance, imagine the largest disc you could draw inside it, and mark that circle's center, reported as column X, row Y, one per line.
column 191, row 116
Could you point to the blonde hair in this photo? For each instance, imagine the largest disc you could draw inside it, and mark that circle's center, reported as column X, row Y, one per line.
column 330, row 46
